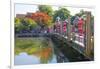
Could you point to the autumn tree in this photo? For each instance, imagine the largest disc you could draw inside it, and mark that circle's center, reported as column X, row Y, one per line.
column 41, row 18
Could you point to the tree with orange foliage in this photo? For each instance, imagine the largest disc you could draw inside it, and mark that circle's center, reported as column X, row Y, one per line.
column 41, row 18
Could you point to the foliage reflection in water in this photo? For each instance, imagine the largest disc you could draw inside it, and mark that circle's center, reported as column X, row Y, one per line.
column 34, row 51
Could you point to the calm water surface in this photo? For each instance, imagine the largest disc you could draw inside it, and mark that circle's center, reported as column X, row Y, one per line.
column 43, row 55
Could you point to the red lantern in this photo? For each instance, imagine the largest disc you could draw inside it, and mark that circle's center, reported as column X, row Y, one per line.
column 80, row 28
column 64, row 27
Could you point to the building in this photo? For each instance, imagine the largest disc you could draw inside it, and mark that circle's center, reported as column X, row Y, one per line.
column 20, row 15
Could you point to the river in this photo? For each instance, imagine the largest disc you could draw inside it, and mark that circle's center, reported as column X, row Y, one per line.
column 36, row 50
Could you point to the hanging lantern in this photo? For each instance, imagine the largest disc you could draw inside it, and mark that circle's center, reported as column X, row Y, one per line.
column 80, row 26
column 64, row 27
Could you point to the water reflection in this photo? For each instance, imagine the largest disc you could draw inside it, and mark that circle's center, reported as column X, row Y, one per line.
column 24, row 59
column 42, row 52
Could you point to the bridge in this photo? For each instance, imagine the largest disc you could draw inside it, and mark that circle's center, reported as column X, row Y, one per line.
column 70, row 45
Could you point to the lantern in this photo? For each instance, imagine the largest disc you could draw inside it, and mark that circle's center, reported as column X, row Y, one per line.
column 64, row 27
column 80, row 26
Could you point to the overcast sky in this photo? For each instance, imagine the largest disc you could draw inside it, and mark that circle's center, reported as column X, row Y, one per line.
column 24, row 8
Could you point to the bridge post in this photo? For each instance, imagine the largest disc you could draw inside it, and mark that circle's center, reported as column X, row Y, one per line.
column 61, row 28
column 69, row 29
column 88, row 34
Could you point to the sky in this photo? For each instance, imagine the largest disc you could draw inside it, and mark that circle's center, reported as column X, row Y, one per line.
column 24, row 8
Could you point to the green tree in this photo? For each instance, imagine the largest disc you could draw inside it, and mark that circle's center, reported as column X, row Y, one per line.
column 17, row 24
column 24, row 24
column 63, row 13
column 81, row 13
column 32, row 23
column 46, row 9
column 72, row 19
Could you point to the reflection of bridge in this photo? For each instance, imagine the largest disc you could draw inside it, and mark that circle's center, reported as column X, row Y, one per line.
column 74, row 47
